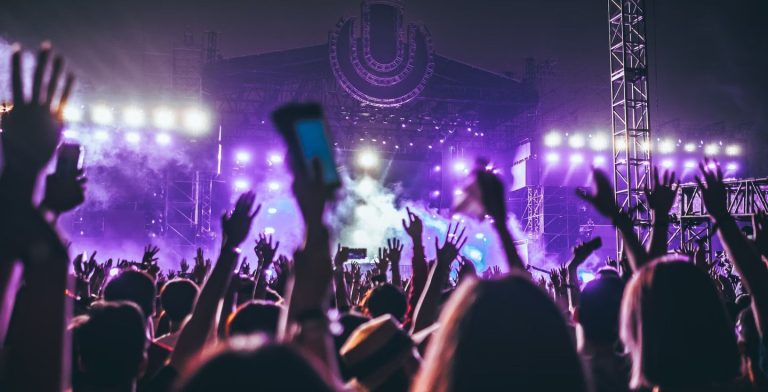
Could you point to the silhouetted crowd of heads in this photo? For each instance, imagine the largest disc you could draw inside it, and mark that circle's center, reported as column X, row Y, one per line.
column 310, row 319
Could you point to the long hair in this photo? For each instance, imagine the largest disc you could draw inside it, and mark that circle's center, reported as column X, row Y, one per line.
column 676, row 329
column 502, row 334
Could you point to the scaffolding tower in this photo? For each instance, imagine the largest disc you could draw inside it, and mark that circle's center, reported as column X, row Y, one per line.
column 630, row 122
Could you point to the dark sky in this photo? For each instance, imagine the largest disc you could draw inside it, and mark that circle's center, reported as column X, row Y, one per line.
column 709, row 58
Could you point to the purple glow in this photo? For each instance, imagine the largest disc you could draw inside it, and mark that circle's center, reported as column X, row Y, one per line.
column 459, row 167
column 732, row 166
column 598, row 160
column 274, row 185
column 576, row 159
column 242, row 156
column 70, row 134
column 437, row 168
column 272, row 210
column 435, row 193
column 667, row 163
column 553, row 157
column 163, row 139
column 689, row 164
column 132, row 137
column 275, row 158
column 242, row 184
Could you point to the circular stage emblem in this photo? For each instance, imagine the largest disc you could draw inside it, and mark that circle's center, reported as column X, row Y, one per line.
column 385, row 64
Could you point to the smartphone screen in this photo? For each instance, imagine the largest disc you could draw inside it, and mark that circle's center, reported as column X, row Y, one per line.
column 314, row 145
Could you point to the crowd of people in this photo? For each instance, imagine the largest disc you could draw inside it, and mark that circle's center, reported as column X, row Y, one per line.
column 657, row 319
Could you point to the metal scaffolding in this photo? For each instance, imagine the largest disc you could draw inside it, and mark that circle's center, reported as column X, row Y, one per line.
column 534, row 211
column 188, row 210
column 630, row 122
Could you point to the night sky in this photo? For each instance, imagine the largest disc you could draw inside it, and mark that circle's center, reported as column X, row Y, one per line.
column 709, row 58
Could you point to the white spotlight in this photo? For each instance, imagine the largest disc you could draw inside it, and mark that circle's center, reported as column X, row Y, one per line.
column 576, row 141
column 72, row 113
column 196, row 120
column 553, row 139
column 164, row 118
column 599, row 142
column 163, row 139
column 620, row 143
column 70, row 134
column 577, row 158
column 100, row 114
column 733, row 150
column 368, row 159
column 666, row 146
column 133, row 117
column 101, row 135
column 241, row 184
column 242, row 157
column 273, row 185
column 132, row 137
column 711, row 149
column 689, row 147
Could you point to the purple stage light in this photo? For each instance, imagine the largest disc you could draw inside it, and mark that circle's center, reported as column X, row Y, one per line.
column 599, row 142
column 114, row 271
column 690, row 164
column 242, row 157
column 598, row 160
column 435, row 194
column 712, row 166
column 553, row 157
column 101, row 114
column 101, row 135
column 553, row 139
column 133, row 117
column 733, row 150
column 576, row 141
column 459, row 167
column 132, row 137
column 273, row 186
column 241, row 184
column 164, row 118
column 732, row 166
column 70, row 134
column 576, row 159
column 72, row 113
column 275, row 158
column 272, row 210
column 458, row 192
column 689, row 147
column 269, row 230
column 667, row 163
column 437, row 168
column 163, row 139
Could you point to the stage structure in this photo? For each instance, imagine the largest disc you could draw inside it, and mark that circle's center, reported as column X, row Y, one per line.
column 630, row 121
column 383, row 88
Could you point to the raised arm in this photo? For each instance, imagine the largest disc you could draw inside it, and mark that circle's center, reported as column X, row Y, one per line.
column 420, row 271
column 429, row 303
column 341, row 257
column 580, row 254
column 660, row 199
column 394, row 252
column 494, row 201
column 195, row 334
column 742, row 252
column 602, row 199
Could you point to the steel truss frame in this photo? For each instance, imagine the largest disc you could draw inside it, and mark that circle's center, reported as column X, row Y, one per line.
column 630, row 121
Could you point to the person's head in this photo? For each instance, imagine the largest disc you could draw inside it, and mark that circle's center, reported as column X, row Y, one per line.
column 386, row 299
column 251, row 363
column 178, row 298
column 503, row 334
column 676, row 329
column 254, row 317
column 599, row 308
column 112, row 344
column 135, row 286
column 380, row 356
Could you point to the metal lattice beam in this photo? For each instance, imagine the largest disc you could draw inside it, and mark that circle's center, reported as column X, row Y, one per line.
column 630, row 122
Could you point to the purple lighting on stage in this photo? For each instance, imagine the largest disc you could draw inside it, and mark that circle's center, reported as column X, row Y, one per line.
column 132, row 137
column 732, row 166
column 163, row 139
column 690, row 164
column 273, row 186
column 598, row 160
column 553, row 157
column 577, row 159
column 459, row 167
column 275, row 158
column 242, row 184
column 242, row 157
column 667, row 163
column 437, row 168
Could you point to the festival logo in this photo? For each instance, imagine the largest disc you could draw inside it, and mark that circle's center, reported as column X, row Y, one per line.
column 385, row 63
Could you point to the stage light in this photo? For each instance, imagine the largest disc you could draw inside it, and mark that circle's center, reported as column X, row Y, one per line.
column 599, row 142
column 437, row 168
column 479, row 236
column 101, row 135
column 114, row 271
column 553, row 157
column 598, row 160
column 667, row 163
column 459, row 167
column 242, row 157
column 435, row 194
column 645, row 146
column 72, row 113
column 475, row 254
column 269, row 230
column 690, row 164
column 553, row 139
column 70, row 134
column 275, row 158
column 242, row 184
column 689, row 147
column 163, row 138
column 368, row 159
column 620, row 144
column 196, row 120
column 712, row 165
column 586, row 277
column 102, row 115
column 576, row 141
column 272, row 210
column 732, row 166
column 164, row 118
column 576, row 159
column 132, row 137
column 711, row 149
column 733, row 150
column 273, row 185
column 666, row 146
column 458, row 192
column 133, row 117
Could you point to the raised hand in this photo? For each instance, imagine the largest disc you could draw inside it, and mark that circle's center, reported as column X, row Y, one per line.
column 201, row 268
column 452, row 245
column 602, row 197
column 245, row 268
column 714, row 193
column 662, row 196
column 32, row 129
column 414, row 226
column 237, row 224
column 172, row 274
column 341, row 256
column 265, row 250
column 394, row 250
column 382, row 262
column 64, row 193
column 183, row 267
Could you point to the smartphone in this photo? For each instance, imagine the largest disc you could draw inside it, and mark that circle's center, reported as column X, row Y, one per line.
column 357, row 253
column 594, row 244
column 70, row 159
column 305, row 131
